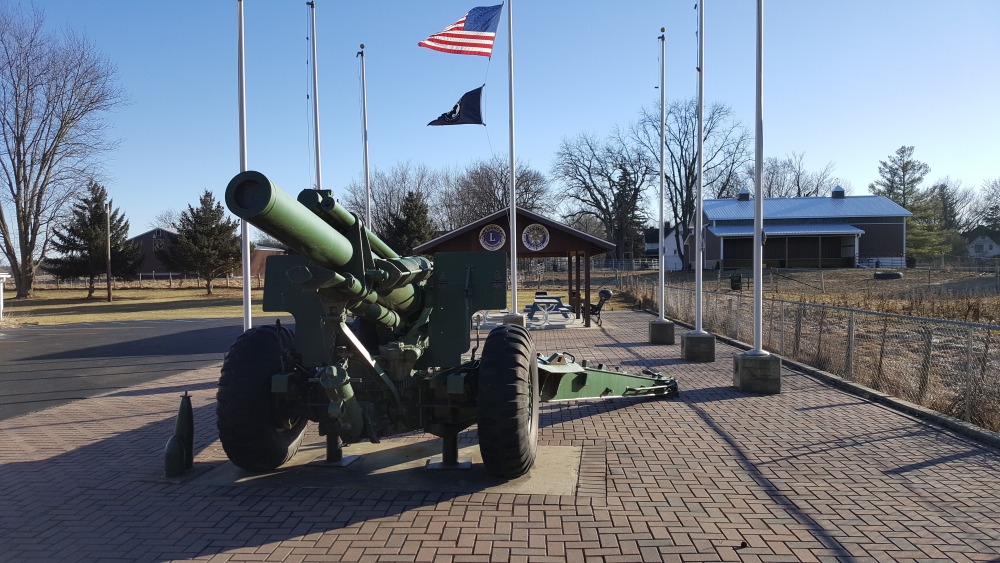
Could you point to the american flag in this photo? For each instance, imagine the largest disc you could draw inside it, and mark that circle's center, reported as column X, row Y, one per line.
column 471, row 35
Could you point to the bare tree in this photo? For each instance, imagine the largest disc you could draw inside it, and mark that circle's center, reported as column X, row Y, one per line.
column 958, row 204
column 788, row 177
column 167, row 218
column 607, row 180
column 389, row 188
column 727, row 146
column 53, row 90
column 483, row 187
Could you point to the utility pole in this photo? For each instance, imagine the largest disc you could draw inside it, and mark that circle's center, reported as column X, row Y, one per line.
column 107, row 231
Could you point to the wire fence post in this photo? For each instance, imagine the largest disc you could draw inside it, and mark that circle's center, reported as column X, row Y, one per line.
column 925, row 365
column 849, row 359
column 798, row 330
column 968, row 375
column 739, row 304
column 782, row 322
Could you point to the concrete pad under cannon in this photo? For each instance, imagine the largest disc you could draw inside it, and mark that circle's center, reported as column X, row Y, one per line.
column 698, row 347
column 754, row 373
column 661, row 332
column 400, row 465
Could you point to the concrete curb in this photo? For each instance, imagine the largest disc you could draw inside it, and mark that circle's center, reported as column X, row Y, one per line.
column 961, row 427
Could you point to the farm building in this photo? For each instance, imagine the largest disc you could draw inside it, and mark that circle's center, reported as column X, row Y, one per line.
column 149, row 242
column 162, row 237
column 838, row 231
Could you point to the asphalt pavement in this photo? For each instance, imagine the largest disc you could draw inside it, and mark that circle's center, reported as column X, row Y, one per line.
column 45, row 366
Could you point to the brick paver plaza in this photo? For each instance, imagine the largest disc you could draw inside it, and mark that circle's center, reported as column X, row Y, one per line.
column 810, row 474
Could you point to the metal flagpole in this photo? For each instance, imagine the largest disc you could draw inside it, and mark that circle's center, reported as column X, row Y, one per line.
column 758, row 195
column 663, row 121
column 699, row 251
column 319, row 167
column 364, row 126
column 513, row 198
column 244, row 226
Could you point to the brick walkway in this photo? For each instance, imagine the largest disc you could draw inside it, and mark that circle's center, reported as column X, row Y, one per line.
column 812, row 474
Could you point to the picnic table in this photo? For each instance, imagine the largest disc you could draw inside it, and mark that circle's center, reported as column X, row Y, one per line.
column 547, row 304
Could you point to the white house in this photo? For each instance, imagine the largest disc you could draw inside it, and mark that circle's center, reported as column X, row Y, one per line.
column 983, row 247
column 672, row 259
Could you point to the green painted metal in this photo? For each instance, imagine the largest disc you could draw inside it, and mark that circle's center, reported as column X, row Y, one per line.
column 563, row 379
column 251, row 196
column 321, row 203
column 463, row 283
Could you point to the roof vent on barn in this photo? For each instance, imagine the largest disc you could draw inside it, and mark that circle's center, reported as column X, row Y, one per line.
column 838, row 193
column 744, row 195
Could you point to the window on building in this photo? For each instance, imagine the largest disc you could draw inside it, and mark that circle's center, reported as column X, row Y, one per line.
column 979, row 249
column 156, row 234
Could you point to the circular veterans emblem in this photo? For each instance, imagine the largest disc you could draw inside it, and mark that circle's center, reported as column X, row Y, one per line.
column 492, row 237
column 535, row 237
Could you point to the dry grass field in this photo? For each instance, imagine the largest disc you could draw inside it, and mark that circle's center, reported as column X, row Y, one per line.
column 946, row 294
column 62, row 306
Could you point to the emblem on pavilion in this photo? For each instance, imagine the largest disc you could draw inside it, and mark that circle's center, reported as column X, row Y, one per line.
column 535, row 237
column 492, row 237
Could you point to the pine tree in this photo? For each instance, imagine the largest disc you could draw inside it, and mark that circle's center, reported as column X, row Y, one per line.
column 411, row 226
column 82, row 242
column 207, row 242
column 927, row 237
column 900, row 177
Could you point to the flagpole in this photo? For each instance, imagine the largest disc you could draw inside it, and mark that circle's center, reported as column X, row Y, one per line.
column 661, row 331
column 758, row 195
column 663, row 121
column 364, row 125
column 315, row 95
column 513, row 197
column 699, row 251
column 244, row 226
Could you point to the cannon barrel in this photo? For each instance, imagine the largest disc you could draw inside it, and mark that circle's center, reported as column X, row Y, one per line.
column 320, row 233
column 251, row 196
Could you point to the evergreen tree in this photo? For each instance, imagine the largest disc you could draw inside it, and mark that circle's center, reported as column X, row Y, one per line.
column 900, row 178
column 207, row 242
column 411, row 226
column 927, row 236
column 82, row 242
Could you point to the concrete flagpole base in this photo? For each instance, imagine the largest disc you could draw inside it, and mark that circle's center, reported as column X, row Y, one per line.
column 661, row 332
column 698, row 347
column 514, row 319
column 757, row 373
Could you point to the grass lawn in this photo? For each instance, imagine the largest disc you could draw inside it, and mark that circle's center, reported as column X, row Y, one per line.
column 62, row 306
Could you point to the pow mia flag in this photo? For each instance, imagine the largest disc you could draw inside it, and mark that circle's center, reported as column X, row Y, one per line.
column 468, row 110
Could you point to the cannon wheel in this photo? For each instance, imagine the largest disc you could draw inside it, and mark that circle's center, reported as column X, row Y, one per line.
column 508, row 402
column 255, row 433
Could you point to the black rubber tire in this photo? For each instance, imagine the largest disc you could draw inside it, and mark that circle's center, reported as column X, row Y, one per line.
column 246, row 409
column 508, row 402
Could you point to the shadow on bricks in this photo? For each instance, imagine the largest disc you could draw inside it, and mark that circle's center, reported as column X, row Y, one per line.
column 71, row 491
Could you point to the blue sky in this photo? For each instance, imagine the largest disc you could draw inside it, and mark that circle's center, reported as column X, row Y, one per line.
column 847, row 81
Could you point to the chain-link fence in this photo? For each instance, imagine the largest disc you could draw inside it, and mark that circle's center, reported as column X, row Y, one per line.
column 952, row 367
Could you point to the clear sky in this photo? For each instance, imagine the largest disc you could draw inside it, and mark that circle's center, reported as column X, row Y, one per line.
column 847, row 81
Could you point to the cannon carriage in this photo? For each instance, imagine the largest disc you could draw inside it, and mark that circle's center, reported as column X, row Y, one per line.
column 399, row 365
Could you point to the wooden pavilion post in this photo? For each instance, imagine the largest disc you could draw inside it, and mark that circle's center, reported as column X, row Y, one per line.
column 579, row 287
column 569, row 281
column 586, row 303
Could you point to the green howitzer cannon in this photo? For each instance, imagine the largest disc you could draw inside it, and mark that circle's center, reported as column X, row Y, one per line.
column 398, row 366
